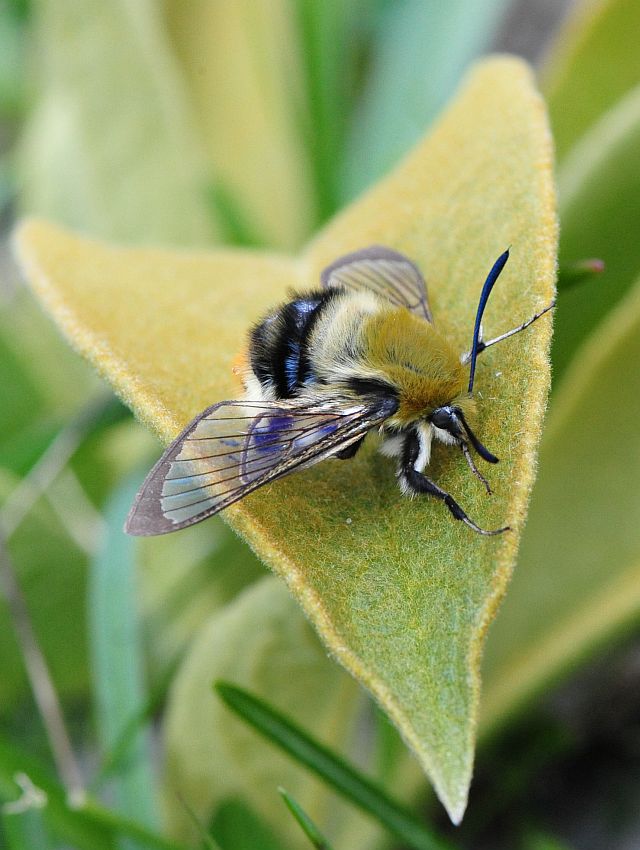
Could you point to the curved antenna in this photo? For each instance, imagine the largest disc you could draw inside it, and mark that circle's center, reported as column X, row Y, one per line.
column 492, row 277
column 475, row 442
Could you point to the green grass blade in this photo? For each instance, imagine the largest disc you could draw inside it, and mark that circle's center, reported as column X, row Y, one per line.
column 117, row 664
column 345, row 778
column 236, row 825
column 88, row 827
column 23, row 823
column 208, row 841
column 121, row 749
column 233, row 222
column 306, row 824
column 330, row 39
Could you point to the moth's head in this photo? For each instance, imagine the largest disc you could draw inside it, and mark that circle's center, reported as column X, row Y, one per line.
column 450, row 426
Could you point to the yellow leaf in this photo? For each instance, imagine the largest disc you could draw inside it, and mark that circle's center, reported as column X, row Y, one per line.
column 401, row 594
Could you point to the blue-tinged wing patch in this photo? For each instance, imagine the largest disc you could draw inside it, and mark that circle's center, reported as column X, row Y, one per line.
column 235, row 447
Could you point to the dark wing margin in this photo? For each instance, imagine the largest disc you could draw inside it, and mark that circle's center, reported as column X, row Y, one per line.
column 235, row 447
column 386, row 273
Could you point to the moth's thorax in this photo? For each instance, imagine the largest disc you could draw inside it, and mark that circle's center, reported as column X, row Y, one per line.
column 338, row 343
column 416, row 359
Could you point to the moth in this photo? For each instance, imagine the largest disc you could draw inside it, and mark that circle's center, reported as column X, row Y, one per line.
column 359, row 354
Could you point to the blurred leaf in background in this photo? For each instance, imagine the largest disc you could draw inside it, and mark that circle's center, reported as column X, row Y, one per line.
column 263, row 642
column 585, row 590
column 13, row 19
column 599, row 184
column 241, row 62
column 579, row 561
column 22, row 403
column 183, row 580
column 592, row 82
column 111, row 145
column 52, row 571
column 592, row 64
column 51, row 526
column 418, row 55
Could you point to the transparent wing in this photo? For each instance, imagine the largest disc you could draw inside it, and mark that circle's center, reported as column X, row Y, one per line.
column 387, row 273
column 235, row 447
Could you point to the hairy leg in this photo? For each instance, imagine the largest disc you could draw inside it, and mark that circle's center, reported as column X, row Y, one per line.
column 416, row 482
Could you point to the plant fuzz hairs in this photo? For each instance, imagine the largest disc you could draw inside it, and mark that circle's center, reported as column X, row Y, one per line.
column 323, row 370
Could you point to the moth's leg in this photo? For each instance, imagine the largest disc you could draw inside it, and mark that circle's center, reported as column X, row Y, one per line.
column 473, row 467
column 482, row 345
column 416, row 482
column 350, row 451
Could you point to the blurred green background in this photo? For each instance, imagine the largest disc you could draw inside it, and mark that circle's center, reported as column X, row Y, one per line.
column 249, row 123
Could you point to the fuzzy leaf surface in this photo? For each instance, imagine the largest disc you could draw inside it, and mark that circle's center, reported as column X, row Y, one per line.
column 578, row 575
column 402, row 594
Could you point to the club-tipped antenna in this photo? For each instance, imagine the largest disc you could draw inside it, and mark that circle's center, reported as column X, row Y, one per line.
column 492, row 277
column 475, row 442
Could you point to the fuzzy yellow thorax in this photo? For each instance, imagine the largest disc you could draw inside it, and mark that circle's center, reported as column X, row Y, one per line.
column 417, row 359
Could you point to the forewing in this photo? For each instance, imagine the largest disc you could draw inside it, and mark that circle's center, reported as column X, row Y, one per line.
column 387, row 273
column 235, row 447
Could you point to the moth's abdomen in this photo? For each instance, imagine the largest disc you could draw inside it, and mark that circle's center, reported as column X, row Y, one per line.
column 279, row 348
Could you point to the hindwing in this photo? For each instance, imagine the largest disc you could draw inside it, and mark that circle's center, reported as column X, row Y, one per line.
column 387, row 273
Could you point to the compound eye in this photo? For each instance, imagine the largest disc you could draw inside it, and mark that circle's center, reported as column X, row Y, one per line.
column 443, row 418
